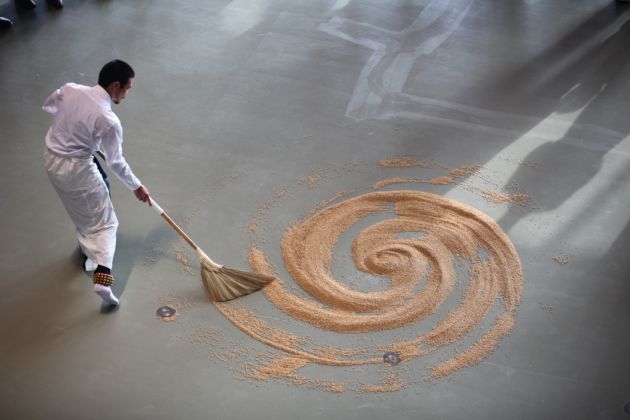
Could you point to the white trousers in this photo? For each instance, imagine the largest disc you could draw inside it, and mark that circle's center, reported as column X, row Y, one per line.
column 84, row 194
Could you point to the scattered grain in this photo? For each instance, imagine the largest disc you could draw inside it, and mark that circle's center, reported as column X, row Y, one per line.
column 561, row 259
column 441, row 180
column 403, row 162
column 504, row 198
column 392, row 384
column 396, row 180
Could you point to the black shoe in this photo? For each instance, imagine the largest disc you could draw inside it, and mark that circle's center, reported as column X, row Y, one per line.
column 57, row 4
column 27, row 4
column 5, row 23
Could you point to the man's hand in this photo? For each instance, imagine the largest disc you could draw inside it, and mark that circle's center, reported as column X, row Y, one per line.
column 143, row 194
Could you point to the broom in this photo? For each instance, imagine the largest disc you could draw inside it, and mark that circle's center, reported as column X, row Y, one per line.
column 221, row 283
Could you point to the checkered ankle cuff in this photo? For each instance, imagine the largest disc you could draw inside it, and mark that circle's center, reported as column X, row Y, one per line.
column 103, row 279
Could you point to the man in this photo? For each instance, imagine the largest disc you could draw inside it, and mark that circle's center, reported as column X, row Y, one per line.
column 84, row 123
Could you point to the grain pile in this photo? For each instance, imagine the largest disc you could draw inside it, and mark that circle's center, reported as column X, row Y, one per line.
column 420, row 273
column 441, row 180
column 465, row 171
column 450, row 229
column 403, row 162
column 390, row 181
column 504, row 198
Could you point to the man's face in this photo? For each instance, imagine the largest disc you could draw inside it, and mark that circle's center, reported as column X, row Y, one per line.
column 119, row 92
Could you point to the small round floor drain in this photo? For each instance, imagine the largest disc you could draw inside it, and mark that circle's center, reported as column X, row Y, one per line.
column 166, row 312
column 392, row 358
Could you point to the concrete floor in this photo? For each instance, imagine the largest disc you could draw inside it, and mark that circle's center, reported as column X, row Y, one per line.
column 235, row 101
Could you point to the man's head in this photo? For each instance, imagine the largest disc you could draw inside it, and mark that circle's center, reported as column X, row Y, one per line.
column 115, row 77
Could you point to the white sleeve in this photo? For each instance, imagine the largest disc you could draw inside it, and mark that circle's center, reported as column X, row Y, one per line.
column 112, row 146
column 50, row 105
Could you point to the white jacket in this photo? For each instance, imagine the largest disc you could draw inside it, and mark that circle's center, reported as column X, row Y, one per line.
column 83, row 123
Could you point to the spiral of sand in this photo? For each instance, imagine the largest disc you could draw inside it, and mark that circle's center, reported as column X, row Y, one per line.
column 420, row 272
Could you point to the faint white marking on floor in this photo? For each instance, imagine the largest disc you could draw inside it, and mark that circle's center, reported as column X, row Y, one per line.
column 395, row 53
column 378, row 92
column 239, row 16
column 339, row 4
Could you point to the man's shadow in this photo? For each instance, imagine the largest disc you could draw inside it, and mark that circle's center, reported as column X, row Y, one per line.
column 569, row 163
column 44, row 302
column 574, row 73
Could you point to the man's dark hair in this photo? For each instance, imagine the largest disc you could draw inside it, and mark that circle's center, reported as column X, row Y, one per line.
column 115, row 71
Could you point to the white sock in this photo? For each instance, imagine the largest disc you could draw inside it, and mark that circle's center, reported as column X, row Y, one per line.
column 90, row 265
column 106, row 294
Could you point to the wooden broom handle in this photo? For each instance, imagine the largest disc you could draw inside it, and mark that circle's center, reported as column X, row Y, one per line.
column 164, row 215
column 174, row 225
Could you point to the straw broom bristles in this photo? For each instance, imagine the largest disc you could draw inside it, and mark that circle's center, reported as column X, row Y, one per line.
column 224, row 283
column 221, row 283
